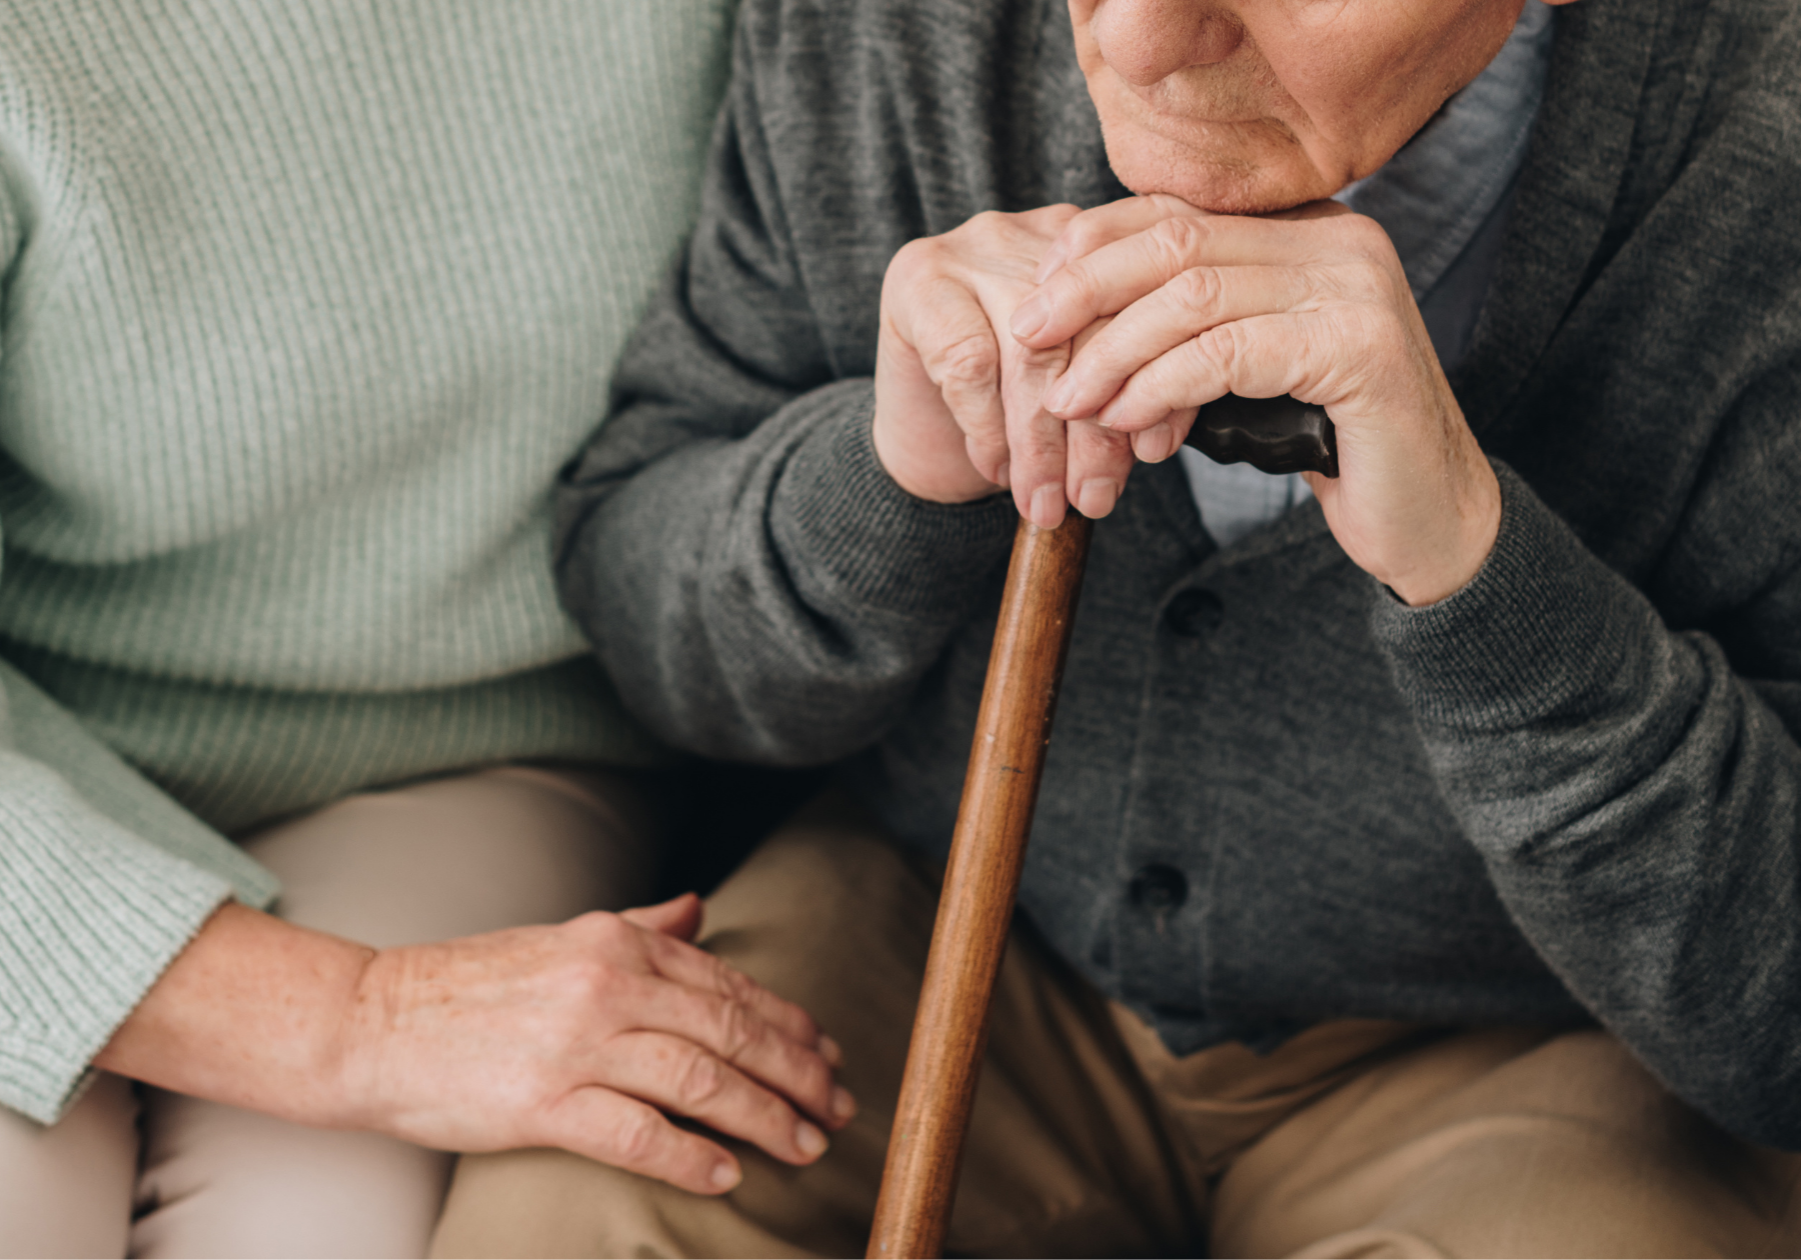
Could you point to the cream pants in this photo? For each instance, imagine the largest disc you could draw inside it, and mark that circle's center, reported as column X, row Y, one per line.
column 142, row 1172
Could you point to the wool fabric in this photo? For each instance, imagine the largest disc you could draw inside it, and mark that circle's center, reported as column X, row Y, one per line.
column 304, row 306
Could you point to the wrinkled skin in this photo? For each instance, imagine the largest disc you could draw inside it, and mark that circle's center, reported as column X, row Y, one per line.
column 1047, row 352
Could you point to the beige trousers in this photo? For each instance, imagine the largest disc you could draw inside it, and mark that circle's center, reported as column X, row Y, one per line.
column 143, row 1172
column 1088, row 1138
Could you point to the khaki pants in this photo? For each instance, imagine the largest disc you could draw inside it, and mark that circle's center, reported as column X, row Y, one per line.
column 1354, row 1139
column 451, row 857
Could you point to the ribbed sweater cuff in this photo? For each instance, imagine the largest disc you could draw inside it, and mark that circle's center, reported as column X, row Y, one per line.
column 838, row 507
column 1542, row 625
column 90, row 916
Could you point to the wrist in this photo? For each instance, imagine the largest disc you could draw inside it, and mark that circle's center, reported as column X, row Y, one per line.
column 943, row 475
column 1461, row 549
column 252, row 1014
column 346, row 1056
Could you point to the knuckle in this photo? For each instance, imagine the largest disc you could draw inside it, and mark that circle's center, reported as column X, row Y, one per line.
column 1076, row 282
column 1083, row 234
column 584, row 978
column 1362, row 231
column 585, row 927
column 805, row 1027
column 987, row 223
column 1369, row 276
column 703, row 1078
column 1236, row 342
column 609, row 930
column 1198, row 289
column 593, row 991
column 969, row 360
column 1035, row 449
column 915, row 258
column 813, row 1078
column 921, row 266
column 1363, row 326
column 985, row 448
column 1052, row 358
column 637, row 1135
column 1218, row 348
column 1103, row 447
column 1052, row 216
column 738, row 1029
column 734, row 983
column 1177, row 241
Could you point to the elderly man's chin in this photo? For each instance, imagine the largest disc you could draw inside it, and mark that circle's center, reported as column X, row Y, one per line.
column 1235, row 168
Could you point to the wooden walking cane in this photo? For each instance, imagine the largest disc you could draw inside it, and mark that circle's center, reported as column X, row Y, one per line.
column 1000, row 790
column 975, row 910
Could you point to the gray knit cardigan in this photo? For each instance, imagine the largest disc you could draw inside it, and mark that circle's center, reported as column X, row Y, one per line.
column 1571, row 791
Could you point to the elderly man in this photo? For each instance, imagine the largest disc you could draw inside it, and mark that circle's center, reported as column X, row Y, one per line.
column 1416, row 868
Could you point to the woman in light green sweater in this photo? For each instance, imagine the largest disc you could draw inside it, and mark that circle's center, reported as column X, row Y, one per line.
column 303, row 307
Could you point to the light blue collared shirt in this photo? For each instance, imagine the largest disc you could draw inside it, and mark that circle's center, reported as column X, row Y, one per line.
column 1443, row 200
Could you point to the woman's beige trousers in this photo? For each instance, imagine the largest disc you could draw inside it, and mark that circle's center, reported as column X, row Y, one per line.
column 148, row 1173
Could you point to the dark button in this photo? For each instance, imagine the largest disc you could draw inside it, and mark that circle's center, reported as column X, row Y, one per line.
column 1193, row 613
column 1159, row 887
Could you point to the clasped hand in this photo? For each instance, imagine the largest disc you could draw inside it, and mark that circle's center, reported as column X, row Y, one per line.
column 1048, row 352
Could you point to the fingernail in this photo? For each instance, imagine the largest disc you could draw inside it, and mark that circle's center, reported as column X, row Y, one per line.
column 1003, row 476
column 831, row 1051
column 1030, row 317
column 1060, row 395
column 843, row 1105
column 1051, row 263
column 1155, row 444
column 1047, row 507
column 1097, row 497
column 811, row 1141
column 726, row 1175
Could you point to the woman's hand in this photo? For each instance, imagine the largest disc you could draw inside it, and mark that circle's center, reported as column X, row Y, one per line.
column 958, row 400
column 1312, row 303
column 581, row 1035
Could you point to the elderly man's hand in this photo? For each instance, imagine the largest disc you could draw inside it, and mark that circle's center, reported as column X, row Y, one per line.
column 959, row 410
column 1312, row 303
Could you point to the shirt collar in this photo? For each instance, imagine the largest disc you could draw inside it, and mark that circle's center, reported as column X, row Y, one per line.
column 1433, row 195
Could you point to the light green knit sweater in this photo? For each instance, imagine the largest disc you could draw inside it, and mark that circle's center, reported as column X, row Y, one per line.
column 304, row 304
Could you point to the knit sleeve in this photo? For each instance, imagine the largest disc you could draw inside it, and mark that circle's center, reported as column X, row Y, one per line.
column 752, row 578
column 1637, row 799
column 103, row 881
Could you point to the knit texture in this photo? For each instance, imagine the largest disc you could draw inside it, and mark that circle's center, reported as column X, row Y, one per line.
column 1569, row 793
column 304, row 306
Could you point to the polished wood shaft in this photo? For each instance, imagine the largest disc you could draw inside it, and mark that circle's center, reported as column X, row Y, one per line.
column 976, row 908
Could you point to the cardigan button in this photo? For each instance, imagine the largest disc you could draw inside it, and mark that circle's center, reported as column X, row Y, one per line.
column 1159, row 887
column 1194, row 613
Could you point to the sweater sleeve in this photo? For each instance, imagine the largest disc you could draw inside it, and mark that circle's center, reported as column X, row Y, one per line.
column 787, row 611
column 103, row 881
column 1637, row 801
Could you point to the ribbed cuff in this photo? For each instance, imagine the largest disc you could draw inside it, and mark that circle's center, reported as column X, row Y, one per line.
column 1543, row 624
column 90, row 917
column 838, row 507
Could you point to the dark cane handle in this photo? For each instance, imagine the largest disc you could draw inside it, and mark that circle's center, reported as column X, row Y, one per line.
column 1274, row 435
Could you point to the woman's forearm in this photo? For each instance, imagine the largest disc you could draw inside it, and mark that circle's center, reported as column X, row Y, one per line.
column 580, row 1035
column 252, row 1013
